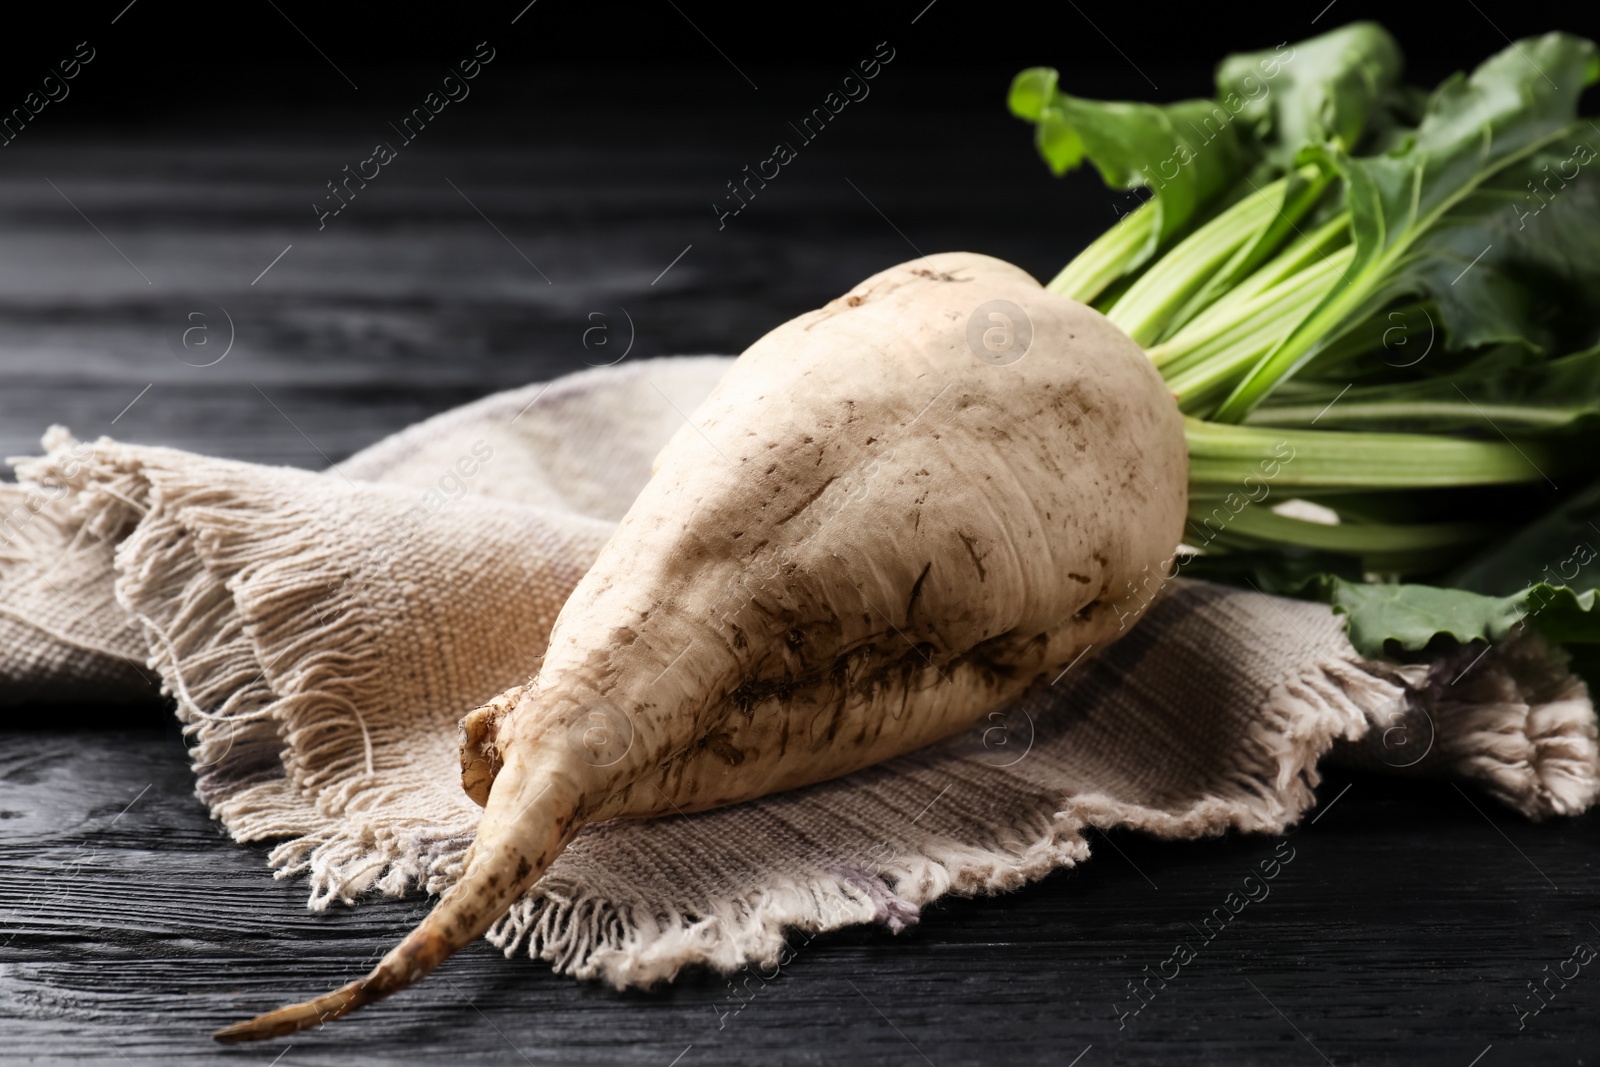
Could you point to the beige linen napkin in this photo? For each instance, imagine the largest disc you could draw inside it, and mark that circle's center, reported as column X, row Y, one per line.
column 323, row 633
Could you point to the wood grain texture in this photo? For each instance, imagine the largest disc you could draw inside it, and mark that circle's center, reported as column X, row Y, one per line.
column 1401, row 932
column 130, row 927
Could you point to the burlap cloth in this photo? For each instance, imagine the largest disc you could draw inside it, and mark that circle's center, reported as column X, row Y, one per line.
column 323, row 633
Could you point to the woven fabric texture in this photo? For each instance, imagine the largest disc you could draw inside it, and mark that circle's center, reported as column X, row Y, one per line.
column 322, row 634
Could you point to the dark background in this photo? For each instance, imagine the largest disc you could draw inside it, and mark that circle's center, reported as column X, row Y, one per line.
column 179, row 65
column 587, row 157
column 589, row 153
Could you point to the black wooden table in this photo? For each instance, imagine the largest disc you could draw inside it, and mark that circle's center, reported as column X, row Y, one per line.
column 1407, row 929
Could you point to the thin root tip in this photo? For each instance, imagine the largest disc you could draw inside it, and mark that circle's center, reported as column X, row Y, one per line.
column 295, row 1017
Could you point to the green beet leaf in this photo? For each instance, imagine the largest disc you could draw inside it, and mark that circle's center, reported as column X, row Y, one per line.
column 1515, row 105
column 1411, row 616
column 1329, row 88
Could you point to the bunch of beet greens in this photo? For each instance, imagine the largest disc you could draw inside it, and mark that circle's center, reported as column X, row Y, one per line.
column 1379, row 308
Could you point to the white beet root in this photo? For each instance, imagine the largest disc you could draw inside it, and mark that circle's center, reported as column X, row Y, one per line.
column 866, row 539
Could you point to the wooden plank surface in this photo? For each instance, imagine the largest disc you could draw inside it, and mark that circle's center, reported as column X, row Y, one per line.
column 468, row 269
column 1402, row 930
column 1409, row 923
